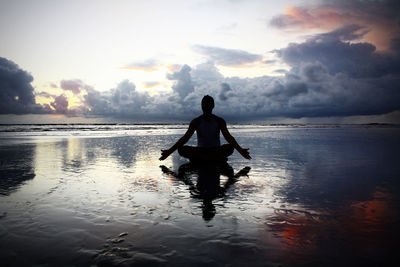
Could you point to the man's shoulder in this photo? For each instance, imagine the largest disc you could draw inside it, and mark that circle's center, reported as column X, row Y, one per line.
column 196, row 120
column 219, row 119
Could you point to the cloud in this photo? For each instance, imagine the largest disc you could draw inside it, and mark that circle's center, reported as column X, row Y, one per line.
column 123, row 93
column 227, row 57
column 206, row 72
column 150, row 84
column 122, row 101
column 97, row 103
column 45, row 94
column 147, row 65
column 174, row 67
column 329, row 74
column 16, row 91
column 353, row 59
column 75, row 86
column 224, row 93
column 345, row 33
column 337, row 12
column 379, row 17
column 183, row 85
column 307, row 17
column 314, row 73
column 280, row 71
column 327, row 77
column 60, row 104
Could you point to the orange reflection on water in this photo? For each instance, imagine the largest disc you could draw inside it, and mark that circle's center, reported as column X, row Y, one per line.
column 355, row 229
column 290, row 235
column 296, row 229
column 371, row 216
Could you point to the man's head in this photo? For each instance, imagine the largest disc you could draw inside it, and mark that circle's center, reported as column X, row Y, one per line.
column 207, row 104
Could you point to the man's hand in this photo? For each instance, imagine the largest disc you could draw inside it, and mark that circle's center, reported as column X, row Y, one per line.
column 165, row 154
column 244, row 152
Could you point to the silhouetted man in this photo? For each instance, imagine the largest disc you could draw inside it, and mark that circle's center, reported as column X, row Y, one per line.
column 208, row 126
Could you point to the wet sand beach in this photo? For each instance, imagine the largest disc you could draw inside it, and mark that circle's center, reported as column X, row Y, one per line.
column 99, row 196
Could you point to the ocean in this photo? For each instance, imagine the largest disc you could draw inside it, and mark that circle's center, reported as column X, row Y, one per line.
column 97, row 195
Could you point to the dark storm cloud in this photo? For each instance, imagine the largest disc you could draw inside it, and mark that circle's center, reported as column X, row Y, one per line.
column 16, row 91
column 379, row 8
column 380, row 18
column 329, row 11
column 395, row 44
column 314, row 73
column 354, row 59
column 328, row 76
column 346, row 33
column 332, row 77
column 227, row 57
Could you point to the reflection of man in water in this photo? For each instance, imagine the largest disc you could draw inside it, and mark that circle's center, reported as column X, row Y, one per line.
column 208, row 127
column 208, row 185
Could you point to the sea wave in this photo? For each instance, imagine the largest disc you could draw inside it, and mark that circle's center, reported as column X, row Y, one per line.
column 84, row 127
column 107, row 130
column 129, row 127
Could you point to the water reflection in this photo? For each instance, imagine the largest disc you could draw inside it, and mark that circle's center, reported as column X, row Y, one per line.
column 121, row 149
column 16, row 167
column 317, row 197
column 339, row 195
column 208, row 183
column 361, row 234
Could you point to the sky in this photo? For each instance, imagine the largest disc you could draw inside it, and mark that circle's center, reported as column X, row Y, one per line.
column 332, row 61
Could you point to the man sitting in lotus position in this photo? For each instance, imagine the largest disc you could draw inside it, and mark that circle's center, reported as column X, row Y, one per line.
column 208, row 127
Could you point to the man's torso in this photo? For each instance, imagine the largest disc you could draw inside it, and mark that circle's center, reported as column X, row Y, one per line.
column 208, row 129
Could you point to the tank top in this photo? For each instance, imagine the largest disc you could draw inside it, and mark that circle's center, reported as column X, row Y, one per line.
column 208, row 132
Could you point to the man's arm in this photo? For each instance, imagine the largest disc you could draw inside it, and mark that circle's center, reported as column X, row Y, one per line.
column 228, row 137
column 181, row 141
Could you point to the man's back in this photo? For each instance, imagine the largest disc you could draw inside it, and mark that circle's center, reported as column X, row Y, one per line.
column 208, row 129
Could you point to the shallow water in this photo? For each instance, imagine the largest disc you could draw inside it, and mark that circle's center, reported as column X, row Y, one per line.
column 321, row 196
